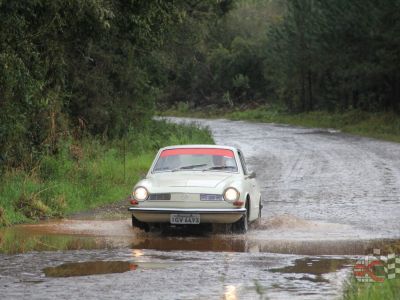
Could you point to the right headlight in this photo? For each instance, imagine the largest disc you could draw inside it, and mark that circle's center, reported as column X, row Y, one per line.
column 140, row 193
column 231, row 194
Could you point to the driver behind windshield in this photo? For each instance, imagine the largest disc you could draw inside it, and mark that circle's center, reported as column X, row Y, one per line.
column 218, row 161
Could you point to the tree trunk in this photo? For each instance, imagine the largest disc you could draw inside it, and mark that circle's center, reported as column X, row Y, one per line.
column 310, row 92
column 396, row 93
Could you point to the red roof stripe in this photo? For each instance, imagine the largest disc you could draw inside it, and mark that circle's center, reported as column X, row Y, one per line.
column 198, row 151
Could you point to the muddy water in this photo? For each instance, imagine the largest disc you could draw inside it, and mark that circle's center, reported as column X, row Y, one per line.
column 328, row 198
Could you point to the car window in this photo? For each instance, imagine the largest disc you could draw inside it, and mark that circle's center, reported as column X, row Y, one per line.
column 196, row 159
column 243, row 162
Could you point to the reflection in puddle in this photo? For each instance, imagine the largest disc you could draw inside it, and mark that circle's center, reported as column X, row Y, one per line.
column 230, row 293
column 137, row 252
column 99, row 267
column 316, row 267
column 227, row 243
column 211, row 243
column 89, row 268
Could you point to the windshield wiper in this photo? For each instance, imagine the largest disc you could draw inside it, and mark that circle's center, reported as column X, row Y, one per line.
column 219, row 168
column 188, row 167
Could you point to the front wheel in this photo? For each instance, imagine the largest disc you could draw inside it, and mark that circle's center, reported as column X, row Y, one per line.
column 141, row 225
column 242, row 225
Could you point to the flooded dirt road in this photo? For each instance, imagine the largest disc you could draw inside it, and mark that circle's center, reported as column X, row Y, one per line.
column 328, row 199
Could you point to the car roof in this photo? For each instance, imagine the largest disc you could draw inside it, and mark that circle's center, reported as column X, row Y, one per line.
column 200, row 146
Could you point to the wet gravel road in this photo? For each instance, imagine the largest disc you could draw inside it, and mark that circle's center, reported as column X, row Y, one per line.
column 328, row 198
column 322, row 175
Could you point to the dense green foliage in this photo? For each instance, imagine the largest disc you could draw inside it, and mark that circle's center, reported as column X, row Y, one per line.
column 74, row 68
column 78, row 78
column 85, row 174
column 338, row 55
column 70, row 68
column 302, row 55
column 221, row 63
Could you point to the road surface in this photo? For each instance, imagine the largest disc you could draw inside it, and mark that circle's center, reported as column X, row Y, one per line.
column 329, row 198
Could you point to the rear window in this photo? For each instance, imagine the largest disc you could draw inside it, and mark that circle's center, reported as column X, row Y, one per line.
column 196, row 159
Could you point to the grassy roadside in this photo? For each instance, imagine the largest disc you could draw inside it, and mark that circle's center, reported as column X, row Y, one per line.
column 389, row 289
column 87, row 174
column 385, row 126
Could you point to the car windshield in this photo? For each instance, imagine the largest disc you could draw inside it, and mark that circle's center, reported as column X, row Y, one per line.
column 197, row 159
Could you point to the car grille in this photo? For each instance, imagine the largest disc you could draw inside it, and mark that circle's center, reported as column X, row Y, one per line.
column 210, row 197
column 160, row 197
column 185, row 197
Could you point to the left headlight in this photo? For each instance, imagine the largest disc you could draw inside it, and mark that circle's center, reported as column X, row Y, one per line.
column 140, row 193
column 231, row 194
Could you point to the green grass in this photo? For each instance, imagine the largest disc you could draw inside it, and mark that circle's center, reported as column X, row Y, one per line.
column 382, row 125
column 389, row 289
column 87, row 173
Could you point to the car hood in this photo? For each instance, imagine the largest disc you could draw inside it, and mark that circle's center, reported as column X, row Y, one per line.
column 189, row 179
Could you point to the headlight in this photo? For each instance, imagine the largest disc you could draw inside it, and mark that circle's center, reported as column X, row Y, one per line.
column 140, row 193
column 231, row 194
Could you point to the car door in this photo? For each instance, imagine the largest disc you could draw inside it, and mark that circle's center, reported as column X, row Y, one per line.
column 251, row 187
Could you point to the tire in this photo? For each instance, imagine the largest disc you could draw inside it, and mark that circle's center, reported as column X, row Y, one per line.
column 141, row 225
column 258, row 221
column 241, row 226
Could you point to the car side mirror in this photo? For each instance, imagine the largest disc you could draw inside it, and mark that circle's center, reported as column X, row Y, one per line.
column 252, row 175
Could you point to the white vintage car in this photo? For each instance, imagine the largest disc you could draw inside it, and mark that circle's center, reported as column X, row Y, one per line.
column 197, row 184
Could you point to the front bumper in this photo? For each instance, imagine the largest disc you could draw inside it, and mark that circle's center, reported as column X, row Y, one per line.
column 207, row 215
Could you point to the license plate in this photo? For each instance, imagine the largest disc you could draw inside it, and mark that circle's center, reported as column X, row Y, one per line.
column 185, row 219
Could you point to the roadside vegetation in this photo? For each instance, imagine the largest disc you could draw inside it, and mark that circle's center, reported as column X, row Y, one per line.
column 79, row 81
column 87, row 173
column 379, row 125
column 389, row 289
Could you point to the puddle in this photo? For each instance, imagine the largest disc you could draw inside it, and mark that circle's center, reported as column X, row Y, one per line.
column 17, row 240
column 214, row 243
column 109, row 274
column 313, row 268
column 82, row 227
column 45, row 237
column 90, row 268
column 320, row 131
